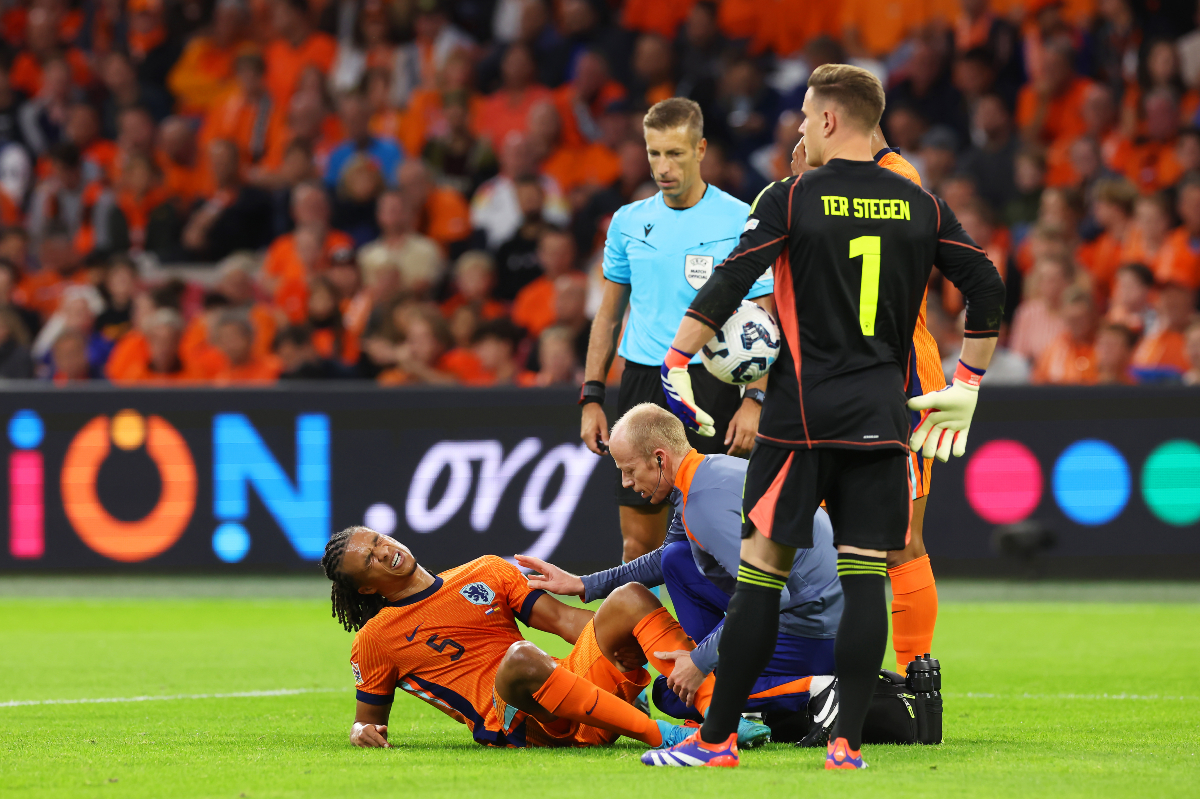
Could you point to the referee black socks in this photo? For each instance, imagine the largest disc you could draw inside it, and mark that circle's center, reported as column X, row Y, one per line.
column 747, row 643
column 861, row 641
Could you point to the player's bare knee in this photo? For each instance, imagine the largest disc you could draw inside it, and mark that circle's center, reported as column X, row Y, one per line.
column 632, row 601
column 524, row 666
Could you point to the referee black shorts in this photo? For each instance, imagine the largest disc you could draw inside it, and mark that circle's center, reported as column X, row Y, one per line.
column 866, row 494
column 644, row 384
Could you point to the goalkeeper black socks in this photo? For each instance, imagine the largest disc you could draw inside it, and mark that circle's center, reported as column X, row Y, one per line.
column 747, row 643
column 861, row 641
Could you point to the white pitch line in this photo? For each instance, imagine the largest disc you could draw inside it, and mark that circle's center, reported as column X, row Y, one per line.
column 1135, row 697
column 171, row 698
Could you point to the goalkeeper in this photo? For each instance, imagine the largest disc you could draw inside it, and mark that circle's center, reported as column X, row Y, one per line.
column 699, row 564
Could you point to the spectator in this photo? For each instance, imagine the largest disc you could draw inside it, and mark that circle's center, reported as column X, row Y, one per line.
column 495, row 209
column 1161, row 353
column 70, row 359
column 516, row 260
column 1112, row 209
column 184, row 178
column 416, row 259
column 1050, row 108
column 355, row 200
column 1037, row 321
column 41, row 291
column 59, row 198
column 205, row 69
column 1192, row 349
column 1151, row 165
column 142, row 217
column 461, row 158
column 371, row 46
column 233, row 335
column 124, row 90
column 700, row 47
column 1130, row 306
column 10, row 280
column 1148, row 235
column 425, row 355
column 296, row 47
column 534, row 308
column 582, row 101
column 299, row 357
column 1029, row 180
column 557, row 358
column 441, row 213
column 653, row 80
column 329, row 336
column 15, row 361
column 285, row 272
column 118, row 289
column 586, row 166
column 234, row 217
column 42, row 118
column 495, row 346
column 383, row 153
column 80, row 307
column 939, row 148
column 1179, row 259
column 246, row 114
column 474, row 281
column 161, row 360
column 927, row 88
column 435, row 44
column 1113, row 354
column 1070, row 358
column 507, row 109
column 991, row 161
column 306, row 126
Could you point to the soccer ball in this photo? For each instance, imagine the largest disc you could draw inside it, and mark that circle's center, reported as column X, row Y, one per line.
column 744, row 348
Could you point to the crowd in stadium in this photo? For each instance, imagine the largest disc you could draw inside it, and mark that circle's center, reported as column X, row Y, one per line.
column 417, row 192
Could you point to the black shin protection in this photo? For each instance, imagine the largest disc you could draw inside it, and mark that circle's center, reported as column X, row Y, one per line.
column 861, row 641
column 747, row 643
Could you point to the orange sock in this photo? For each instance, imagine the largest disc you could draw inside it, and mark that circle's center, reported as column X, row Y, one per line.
column 659, row 632
column 570, row 696
column 914, row 610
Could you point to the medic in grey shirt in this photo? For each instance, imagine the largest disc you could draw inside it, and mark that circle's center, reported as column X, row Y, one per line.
column 698, row 562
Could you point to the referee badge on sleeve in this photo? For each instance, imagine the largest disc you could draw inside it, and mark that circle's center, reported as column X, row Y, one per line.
column 697, row 269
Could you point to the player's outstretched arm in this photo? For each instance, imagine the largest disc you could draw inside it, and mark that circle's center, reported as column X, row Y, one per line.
column 551, row 616
column 370, row 726
column 550, row 578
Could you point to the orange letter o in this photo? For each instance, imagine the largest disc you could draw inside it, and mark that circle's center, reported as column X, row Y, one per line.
column 129, row 541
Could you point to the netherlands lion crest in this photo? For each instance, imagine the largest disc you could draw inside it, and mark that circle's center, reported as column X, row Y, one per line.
column 478, row 594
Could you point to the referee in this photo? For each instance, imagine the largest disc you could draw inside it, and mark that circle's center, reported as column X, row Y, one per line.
column 658, row 254
column 852, row 245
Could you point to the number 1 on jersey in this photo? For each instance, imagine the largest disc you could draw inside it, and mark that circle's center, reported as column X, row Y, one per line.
column 869, row 248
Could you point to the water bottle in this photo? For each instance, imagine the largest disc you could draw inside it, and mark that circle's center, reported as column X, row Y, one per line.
column 924, row 680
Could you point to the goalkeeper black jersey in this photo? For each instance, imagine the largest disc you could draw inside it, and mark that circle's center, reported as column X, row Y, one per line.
column 853, row 245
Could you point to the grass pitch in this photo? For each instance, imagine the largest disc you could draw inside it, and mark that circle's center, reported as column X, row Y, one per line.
column 243, row 690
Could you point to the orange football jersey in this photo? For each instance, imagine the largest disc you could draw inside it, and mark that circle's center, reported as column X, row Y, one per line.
column 444, row 645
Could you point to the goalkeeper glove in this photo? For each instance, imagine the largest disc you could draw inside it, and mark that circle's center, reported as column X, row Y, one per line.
column 677, row 385
column 946, row 417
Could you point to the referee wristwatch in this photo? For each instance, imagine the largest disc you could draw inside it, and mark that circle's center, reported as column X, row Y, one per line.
column 756, row 394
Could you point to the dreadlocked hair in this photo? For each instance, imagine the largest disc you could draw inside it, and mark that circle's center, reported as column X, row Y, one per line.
column 350, row 608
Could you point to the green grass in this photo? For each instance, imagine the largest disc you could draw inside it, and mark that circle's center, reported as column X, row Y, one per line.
column 1027, row 670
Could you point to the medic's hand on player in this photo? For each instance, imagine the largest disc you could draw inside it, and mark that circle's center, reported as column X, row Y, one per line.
column 550, row 577
column 946, row 417
column 677, row 386
column 685, row 679
column 370, row 736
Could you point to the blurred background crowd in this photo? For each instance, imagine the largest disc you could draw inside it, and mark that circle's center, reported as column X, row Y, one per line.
column 417, row 192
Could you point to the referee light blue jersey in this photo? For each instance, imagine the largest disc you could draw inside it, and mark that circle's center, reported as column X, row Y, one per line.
column 665, row 255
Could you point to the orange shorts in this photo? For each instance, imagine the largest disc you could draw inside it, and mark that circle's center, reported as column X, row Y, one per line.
column 920, row 472
column 584, row 661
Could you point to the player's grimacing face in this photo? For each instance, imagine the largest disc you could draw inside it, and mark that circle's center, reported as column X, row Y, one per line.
column 674, row 159
column 374, row 561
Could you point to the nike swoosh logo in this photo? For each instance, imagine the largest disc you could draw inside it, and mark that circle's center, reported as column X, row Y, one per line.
column 589, row 712
column 894, row 612
column 414, row 632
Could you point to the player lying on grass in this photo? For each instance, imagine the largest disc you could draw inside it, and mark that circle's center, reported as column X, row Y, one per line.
column 699, row 564
column 452, row 640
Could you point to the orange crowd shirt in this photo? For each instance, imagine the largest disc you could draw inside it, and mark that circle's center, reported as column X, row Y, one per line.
column 1063, row 119
column 285, row 63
